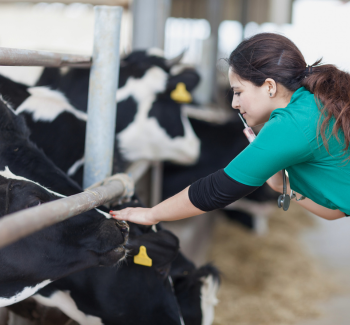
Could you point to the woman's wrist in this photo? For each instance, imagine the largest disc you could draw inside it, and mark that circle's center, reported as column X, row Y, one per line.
column 152, row 216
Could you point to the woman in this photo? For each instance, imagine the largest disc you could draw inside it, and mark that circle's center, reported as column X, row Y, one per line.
column 306, row 111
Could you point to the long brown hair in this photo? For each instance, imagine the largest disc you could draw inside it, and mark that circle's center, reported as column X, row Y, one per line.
column 269, row 55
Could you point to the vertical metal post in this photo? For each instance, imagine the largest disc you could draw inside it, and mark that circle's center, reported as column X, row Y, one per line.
column 214, row 9
column 149, row 17
column 104, row 76
column 156, row 182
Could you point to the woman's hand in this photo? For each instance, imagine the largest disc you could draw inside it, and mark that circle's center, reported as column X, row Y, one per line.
column 141, row 216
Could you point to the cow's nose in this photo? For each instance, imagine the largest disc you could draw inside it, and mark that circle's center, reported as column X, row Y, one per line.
column 124, row 228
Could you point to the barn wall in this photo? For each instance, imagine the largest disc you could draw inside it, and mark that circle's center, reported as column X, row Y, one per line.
column 241, row 10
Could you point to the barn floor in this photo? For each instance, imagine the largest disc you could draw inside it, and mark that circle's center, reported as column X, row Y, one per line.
column 297, row 274
column 329, row 242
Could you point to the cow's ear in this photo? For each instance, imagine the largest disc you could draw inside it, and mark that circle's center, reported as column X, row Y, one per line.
column 162, row 247
column 188, row 76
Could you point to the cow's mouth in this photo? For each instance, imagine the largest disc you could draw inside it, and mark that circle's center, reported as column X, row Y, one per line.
column 113, row 256
column 124, row 229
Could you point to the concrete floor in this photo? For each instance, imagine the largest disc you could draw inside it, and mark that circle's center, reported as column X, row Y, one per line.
column 329, row 242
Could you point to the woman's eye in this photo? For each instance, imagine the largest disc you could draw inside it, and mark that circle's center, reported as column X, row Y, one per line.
column 34, row 204
column 237, row 94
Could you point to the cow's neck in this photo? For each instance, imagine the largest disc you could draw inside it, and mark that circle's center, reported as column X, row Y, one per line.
column 13, row 293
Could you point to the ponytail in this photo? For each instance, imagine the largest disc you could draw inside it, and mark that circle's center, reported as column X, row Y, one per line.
column 331, row 88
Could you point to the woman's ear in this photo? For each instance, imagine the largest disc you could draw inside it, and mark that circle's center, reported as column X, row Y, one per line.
column 271, row 87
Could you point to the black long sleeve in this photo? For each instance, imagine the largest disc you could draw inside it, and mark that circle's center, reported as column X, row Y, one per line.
column 216, row 191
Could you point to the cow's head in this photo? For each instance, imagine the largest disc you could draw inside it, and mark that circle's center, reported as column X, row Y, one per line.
column 150, row 122
column 83, row 241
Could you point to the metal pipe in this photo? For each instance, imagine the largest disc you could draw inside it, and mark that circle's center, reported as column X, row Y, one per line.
column 156, row 182
column 23, row 223
column 104, row 76
column 18, row 57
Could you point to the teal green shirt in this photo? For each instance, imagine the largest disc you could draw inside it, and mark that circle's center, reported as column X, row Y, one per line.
column 289, row 141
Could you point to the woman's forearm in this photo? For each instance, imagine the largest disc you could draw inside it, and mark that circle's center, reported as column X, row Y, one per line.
column 320, row 210
column 176, row 207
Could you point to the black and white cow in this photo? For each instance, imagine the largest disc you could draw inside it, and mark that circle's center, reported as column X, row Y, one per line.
column 136, row 294
column 87, row 240
column 150, row 125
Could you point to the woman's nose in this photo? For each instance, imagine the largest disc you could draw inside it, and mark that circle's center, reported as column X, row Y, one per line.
column 235, row 104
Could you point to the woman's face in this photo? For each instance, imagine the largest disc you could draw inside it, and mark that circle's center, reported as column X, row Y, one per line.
column 254, row 103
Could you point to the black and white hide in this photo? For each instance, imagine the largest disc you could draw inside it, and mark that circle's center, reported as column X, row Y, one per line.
column 87, row 240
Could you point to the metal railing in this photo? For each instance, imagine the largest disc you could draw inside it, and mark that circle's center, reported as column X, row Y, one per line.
column 102, row 106
column 18, row 57
column 25, row 222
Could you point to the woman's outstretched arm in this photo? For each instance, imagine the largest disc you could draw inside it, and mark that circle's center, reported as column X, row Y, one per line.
column 176, row 207
column 208, row 193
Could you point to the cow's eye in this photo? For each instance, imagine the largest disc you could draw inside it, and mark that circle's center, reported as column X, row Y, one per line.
column 34, row 203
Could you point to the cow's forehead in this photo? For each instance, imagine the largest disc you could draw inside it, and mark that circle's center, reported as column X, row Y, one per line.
column 143, row 57
column 9, row 175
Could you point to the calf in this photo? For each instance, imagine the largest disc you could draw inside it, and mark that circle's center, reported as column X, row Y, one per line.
column 87, row 240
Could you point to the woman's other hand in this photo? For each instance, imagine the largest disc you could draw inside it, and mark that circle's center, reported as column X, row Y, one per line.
column 141, row 216
column 276, row 182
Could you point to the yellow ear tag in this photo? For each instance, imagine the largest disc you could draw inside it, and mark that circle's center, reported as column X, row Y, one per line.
column 142, row 257
column 180, row 94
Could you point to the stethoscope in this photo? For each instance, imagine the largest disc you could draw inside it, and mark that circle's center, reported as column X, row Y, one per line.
column 283, row 200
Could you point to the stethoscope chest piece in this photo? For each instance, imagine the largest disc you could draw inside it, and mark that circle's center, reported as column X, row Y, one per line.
column 284, row 199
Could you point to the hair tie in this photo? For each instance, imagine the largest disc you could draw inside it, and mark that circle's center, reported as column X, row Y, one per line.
column 308, row 69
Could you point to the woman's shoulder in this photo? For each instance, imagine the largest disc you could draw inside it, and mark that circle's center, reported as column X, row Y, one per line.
column 301, row 114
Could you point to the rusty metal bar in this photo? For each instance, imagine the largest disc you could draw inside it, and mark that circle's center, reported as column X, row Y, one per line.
column 23, row 223
column 18, row 57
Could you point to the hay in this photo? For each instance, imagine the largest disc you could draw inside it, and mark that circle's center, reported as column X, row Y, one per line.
column 267, row 280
